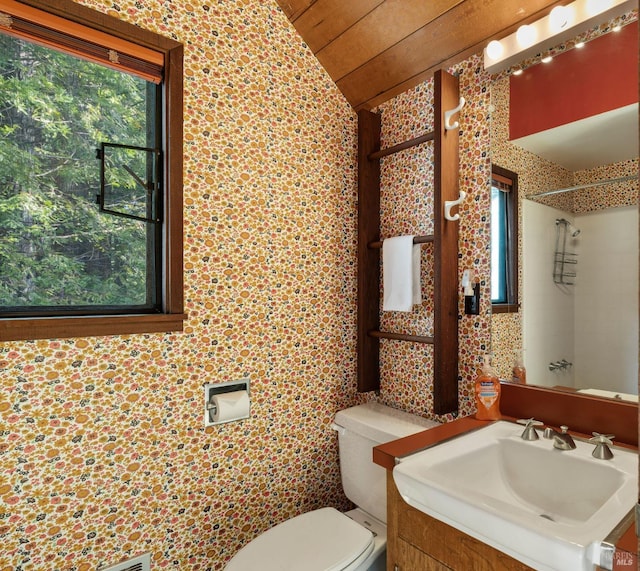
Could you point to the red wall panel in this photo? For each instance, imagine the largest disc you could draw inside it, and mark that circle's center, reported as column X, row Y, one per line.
column 579, row 83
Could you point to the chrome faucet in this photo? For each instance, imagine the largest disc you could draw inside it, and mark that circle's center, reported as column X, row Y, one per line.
column 561, row 440
column 563, row 365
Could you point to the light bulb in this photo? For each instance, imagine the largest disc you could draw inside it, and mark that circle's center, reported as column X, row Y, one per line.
column 495, row 50
column 580, row 45
column 546, row 59
column 526, row 35
column 558, row 18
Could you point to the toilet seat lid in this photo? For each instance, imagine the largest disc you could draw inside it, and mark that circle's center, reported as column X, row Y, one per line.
column 320, row 540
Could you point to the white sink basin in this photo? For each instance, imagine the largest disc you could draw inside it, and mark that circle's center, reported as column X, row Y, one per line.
column 548, row 508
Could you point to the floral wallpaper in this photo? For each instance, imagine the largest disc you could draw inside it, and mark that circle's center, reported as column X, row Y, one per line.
column 104, row 454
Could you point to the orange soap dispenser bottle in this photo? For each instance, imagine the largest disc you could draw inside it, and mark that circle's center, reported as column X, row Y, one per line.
column 487, row 391
column 519, row 373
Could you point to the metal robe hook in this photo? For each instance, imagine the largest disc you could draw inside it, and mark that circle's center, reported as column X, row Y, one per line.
column 448, row 114
column 449, row 204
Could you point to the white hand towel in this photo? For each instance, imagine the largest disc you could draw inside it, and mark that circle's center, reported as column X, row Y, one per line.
column 401, row 272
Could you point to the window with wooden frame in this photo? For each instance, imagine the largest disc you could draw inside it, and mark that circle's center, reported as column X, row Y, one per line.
column 90, row 174
column 504, row 240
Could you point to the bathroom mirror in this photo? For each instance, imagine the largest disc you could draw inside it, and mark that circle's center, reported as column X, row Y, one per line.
column 578, row 248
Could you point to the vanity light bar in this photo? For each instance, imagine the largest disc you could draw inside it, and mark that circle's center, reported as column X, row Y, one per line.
column 562, row 23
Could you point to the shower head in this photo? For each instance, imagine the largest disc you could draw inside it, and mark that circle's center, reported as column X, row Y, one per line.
column 573, row 231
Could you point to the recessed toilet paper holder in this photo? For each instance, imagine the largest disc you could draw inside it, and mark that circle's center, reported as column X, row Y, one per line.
column 213, row 390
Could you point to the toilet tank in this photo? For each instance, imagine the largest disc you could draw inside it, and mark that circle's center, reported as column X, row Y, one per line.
column 360, row 428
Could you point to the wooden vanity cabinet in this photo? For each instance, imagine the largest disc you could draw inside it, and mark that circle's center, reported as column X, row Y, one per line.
column 418, row 542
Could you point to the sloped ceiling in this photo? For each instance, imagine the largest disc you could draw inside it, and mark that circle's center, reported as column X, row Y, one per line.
column 375, row 49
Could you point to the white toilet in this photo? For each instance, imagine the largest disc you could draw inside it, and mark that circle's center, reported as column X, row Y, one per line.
column 326, row 539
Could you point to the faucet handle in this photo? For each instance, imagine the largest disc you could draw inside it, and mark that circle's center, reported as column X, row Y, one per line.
column 602, row 442
column 529, row 432
column 604, row 438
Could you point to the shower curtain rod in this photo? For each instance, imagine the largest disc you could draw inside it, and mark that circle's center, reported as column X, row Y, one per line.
column 582, row 186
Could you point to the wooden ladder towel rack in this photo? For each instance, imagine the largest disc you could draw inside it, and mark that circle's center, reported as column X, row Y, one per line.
column 445, row 247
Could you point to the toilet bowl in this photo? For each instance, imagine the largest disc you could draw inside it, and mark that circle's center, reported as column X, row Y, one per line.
column 319, row 540
column 326, row 539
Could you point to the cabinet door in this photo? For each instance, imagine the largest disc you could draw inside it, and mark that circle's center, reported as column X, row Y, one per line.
column 408, row 558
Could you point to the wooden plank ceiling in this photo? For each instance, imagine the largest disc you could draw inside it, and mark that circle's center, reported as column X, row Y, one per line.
column 375, row 49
